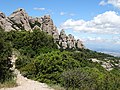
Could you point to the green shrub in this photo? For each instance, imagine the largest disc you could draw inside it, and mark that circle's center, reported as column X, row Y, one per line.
column 81, row 78
column 40, row 60
column 48, row 67
column 5, row 63
column 89, row 79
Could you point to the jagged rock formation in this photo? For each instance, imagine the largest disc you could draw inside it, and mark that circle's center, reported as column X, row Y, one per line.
column 19, row 20
column 69, row 41
column 5, row 23
column 46, row 24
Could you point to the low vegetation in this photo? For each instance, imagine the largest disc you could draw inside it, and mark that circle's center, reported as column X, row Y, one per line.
column 40, row 60
column 6, row 74
column 9, row 84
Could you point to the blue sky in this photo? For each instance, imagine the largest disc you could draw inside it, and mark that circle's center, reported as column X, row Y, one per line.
column 95, row 22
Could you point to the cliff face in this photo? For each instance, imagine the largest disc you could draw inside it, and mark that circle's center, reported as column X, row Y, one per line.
column 19, row 20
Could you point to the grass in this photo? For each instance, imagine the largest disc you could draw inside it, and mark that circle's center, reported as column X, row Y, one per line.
column 57, row 87
column 8, row 84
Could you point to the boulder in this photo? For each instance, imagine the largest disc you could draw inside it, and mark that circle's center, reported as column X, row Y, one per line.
column 47, row 24
column 5, row 23
column 55, row 34
column 8, row 25
column 64, row 45
column 71, row 41
column 20, row 19
column 80, row 44
column 63, row 36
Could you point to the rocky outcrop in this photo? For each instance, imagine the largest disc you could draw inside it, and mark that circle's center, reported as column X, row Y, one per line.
column 69, row 41
column 19, row 20
column 35, row 22
column 63, row 36
column 49, row 27
column 80, row 44
column 46, row 24
column 5, row 23
column 2, row 20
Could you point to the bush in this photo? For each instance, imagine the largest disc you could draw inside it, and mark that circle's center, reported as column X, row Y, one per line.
column 80, row 78
column 22, row 61
column 89, row 79
column 48, row 67
column 30, row 43
column 5, row 63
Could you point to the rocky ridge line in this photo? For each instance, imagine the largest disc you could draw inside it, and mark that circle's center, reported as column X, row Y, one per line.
column 20, row 20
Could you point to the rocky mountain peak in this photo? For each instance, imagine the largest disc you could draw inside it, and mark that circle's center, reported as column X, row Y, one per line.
column 20, row 20
column 19, row 10
column 46, row 17
column 2, row 15
column 62, row 32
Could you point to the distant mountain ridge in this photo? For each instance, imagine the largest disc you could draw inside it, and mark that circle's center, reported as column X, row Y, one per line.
column 20, row 20
column 116, row 54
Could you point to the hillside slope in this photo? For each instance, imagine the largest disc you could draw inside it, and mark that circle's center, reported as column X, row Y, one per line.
column 24, row 83
column 19, row 20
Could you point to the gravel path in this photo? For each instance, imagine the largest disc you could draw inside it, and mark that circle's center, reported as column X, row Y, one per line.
column 24, row 83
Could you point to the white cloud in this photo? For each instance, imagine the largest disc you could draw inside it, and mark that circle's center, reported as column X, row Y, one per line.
column 101, row 40
column 62, row 13
column 102, row 3
column 95, row 39
column 40, row 9
column 65, row 13
column 115, row 3
column 106, row 23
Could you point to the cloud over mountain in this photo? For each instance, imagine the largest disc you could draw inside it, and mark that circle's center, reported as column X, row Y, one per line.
column 106, row 23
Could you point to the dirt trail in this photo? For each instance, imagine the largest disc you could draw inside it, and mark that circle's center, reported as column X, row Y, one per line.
column 24, row 83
